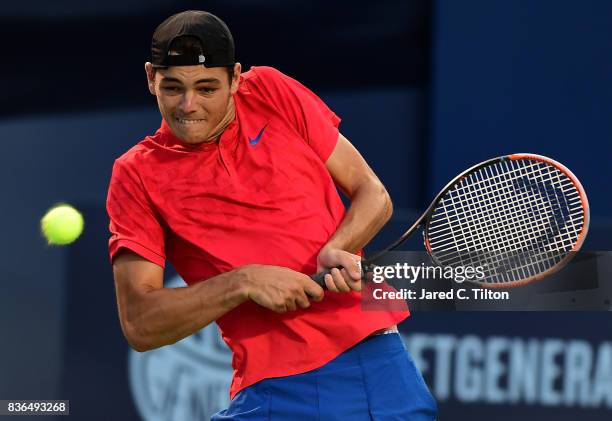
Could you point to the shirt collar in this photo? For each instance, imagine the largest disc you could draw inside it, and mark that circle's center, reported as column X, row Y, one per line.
column 165, row 137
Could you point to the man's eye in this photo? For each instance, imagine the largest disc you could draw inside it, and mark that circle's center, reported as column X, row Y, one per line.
column 207, row 90
column 170, row 88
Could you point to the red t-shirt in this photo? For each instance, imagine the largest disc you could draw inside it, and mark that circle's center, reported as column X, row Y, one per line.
column 261, row 194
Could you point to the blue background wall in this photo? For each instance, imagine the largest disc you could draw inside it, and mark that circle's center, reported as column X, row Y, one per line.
column 459, row 82
column 525, row 76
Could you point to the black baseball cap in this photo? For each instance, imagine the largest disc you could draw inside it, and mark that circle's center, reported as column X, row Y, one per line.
column 214, row 35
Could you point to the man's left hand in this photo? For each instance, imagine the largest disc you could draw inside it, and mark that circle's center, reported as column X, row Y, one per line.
column 344, row 280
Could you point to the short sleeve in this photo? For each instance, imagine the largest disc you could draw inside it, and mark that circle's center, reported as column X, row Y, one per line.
column 310, row 116
column 133, row 222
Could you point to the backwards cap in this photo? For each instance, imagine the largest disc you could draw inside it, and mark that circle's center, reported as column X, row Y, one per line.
column 214, row 35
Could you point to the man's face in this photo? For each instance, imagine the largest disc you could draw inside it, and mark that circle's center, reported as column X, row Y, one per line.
column 195, row 101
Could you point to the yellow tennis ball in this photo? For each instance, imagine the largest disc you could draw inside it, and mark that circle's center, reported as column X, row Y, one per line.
column 62, row 224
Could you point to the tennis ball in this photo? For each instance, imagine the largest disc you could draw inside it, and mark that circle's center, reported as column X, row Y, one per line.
column 62, row 224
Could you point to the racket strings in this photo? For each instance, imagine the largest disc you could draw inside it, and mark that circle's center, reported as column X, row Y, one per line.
column 512, row 239
column 514, row 218
column 511, row 242
column 484, row 217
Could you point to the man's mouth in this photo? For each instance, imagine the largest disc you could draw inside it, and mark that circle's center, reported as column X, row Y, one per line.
column 190, row 120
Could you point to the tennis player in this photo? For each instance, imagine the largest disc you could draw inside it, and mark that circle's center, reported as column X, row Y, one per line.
column 237, row 189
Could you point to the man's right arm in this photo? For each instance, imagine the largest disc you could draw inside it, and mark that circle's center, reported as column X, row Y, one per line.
column 152, row 316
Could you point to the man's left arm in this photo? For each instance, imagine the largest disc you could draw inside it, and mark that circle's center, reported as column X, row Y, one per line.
column 368, row 212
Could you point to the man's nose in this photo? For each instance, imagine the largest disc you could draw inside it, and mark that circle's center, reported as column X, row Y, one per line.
column 188, row 103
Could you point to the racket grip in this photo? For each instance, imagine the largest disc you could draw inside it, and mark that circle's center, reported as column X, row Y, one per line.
column 319, row 278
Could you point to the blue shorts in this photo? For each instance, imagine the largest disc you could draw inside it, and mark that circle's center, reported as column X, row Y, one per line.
column 374, row 380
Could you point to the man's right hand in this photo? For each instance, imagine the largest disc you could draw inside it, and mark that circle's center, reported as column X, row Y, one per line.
column 280, row 289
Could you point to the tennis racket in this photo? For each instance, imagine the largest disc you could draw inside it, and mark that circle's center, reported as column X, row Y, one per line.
column 520, row 217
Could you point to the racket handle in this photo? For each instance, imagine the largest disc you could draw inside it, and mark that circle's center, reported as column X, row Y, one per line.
column 319, row 278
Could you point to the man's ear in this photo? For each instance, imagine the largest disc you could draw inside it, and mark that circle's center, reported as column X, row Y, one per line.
column 150, row 71
column 236, row 78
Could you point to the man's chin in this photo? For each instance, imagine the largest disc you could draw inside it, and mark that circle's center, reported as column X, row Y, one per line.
column 188, row 136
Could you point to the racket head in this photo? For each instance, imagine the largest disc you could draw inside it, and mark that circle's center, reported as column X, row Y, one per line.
column 521, row 217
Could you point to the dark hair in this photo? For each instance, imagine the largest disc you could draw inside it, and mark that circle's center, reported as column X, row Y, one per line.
column 190, row 45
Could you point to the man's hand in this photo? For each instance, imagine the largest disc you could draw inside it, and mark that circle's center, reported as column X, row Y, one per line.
column 345, row 280
column 280, row 289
